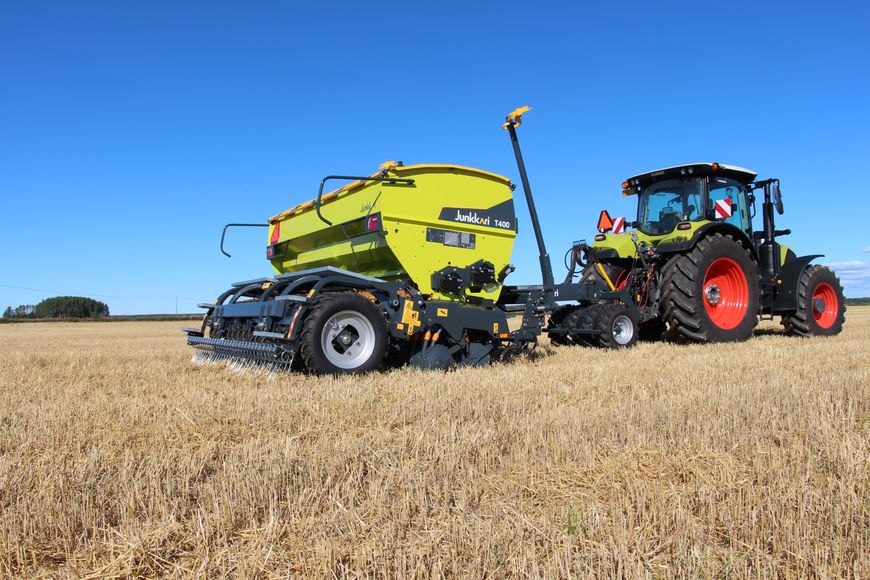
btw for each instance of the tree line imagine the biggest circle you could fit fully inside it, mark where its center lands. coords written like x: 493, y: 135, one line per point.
x: 60, y: 307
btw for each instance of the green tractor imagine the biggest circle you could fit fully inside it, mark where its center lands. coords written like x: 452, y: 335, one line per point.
x: 695, y: 266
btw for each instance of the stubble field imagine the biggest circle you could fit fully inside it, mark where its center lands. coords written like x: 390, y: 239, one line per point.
x: 118, y: 457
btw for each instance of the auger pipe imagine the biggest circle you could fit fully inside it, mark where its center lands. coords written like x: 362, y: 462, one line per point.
x: 543, y: 256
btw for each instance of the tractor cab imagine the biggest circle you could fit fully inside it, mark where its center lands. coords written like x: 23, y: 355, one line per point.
x: 690, y: 193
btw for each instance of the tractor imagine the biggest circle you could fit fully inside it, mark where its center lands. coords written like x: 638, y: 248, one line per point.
x: 695, y: 266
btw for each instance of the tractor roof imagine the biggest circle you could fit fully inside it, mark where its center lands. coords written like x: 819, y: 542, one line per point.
x: 694, y: 169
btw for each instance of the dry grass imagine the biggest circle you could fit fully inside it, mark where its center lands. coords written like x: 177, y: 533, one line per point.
x: 118, y: 457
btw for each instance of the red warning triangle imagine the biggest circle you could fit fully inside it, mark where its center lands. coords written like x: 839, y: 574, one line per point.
x: 605, y: 222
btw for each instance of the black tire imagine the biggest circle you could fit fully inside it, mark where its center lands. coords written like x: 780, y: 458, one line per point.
x: 581, y: 317
x: 711, y: 314
x: 652, y: 330
x: 821, y: 305
x: 372, y: 338
x: 618, y: 328
x: 557, y: 319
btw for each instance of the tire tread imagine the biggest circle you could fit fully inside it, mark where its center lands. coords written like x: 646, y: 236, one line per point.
x: 309, y: 337
x: 683, y: 307
x: 801, y: 322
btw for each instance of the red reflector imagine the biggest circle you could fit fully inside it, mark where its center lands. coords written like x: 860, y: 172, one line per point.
x: 373, y: 222
x: 600, y: 238
x: 276, y: 234
x: 684, y: 226
x: 270, y: 252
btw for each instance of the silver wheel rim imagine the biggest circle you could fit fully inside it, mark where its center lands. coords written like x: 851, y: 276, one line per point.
x: 348, y: 339
x: 622, y: 329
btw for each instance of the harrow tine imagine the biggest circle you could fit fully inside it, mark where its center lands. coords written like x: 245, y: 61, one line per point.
x: 241, y: 356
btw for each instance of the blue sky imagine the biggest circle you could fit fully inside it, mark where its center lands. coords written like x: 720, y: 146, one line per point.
x: 130, y: 132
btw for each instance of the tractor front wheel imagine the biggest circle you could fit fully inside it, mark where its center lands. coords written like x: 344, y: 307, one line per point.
x: 710, y: 294
x: 556, y: 320
x: 821, y: 305
x: 343, y: 334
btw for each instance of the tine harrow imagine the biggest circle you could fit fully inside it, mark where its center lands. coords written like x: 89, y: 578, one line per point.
x: 242, y: 355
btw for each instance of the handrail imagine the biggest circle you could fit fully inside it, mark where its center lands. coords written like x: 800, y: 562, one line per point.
x: 389, y: 180
x: 228, y: 226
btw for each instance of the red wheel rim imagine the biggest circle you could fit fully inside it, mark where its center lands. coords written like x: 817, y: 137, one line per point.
x: 725, y: 293
x: 825, y: 305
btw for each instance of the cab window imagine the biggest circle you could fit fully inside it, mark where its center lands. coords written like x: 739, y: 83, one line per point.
x: 665, y: 203
x: 729, y: 191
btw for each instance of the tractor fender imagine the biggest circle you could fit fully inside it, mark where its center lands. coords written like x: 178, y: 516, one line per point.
x: 606, y: 253
x: 708, y: 230
x: 789, y: 281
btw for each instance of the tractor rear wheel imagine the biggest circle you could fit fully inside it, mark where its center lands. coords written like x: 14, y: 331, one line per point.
x: 710, y: 294
x: 344, y: 333
x: 821, y: 305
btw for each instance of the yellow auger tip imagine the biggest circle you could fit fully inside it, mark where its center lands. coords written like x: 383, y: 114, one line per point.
x: 515, y: 117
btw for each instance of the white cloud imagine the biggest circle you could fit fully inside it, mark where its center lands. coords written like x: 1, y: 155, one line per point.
x: 866, y: 249
x: 855, y: 277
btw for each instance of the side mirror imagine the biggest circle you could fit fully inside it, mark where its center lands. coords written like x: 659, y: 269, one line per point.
x: 777, y: 199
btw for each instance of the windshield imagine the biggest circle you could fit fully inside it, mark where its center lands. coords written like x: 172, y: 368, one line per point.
x: 663, y: 204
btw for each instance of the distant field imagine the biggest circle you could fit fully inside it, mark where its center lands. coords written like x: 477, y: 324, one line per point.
x: 119, y: 457
x: 112, y: 318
